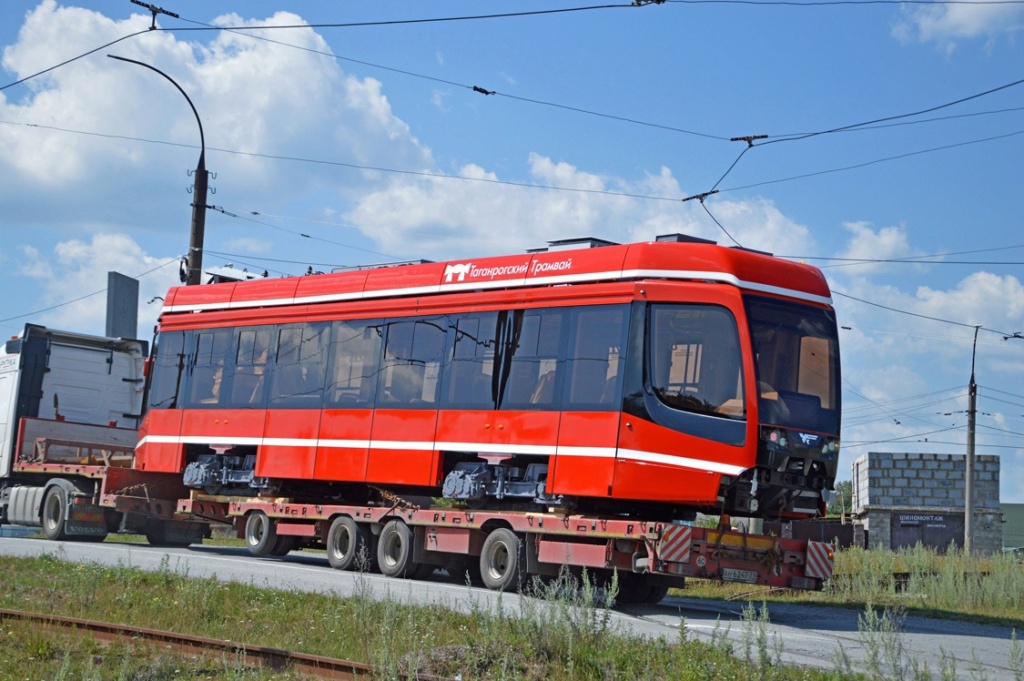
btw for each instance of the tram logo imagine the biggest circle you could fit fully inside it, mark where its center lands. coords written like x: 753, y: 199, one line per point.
x: 461, y: 270
x: 809, y: 440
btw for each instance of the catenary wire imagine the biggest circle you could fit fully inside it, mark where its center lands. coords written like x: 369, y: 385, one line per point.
x: 901, y: 399
x: 353, y: 166
x: 920, y: 316
x: 73, y: 59
x: 842, y: 3
x: 299, y: 234
x: 886, y: 119
x: 750, y: 143
x: 1001, y: 392
x: 866, y: 164
x: 430, y: 20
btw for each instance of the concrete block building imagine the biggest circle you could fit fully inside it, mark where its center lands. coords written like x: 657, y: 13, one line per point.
x: 904, y: 498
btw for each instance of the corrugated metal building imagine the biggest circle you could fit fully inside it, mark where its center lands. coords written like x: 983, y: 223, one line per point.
x: 1013, y: 526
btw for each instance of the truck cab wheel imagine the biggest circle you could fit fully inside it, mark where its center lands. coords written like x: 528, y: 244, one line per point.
x: 55, y: 514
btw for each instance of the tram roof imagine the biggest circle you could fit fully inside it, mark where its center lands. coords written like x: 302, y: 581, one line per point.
x: 652, y: 260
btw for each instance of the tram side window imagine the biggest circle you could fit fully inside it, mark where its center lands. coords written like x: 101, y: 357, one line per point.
x: 412, y: 363
x: 695, y: 360
x: 355, y: 357
x: 213, y: 351
x: 168, y: 371
x: 533, y: 368
x: 469, y: 379
x: 594, y: 360
x: 252, y: 354
x: 301, y: 366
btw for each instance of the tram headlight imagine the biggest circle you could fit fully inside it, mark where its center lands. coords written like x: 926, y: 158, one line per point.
x: 776, y: 438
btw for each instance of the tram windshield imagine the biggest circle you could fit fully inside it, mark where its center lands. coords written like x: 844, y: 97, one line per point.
x: 796, y: 352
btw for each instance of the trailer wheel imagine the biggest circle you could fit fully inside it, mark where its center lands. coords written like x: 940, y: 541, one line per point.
x: 502, y: 560
x: 346, y: 540
x: 55, y: 513
x: 656, y: 594
x: 260, y: 536
x: 156, y: 535
x: 394, y: 551
x: 633, y: 588
x: 283, y: 546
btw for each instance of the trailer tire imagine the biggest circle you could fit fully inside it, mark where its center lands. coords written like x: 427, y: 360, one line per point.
x: 156, y: 535
x: 157, y: 538
x: 346, y: 541
x: 55, y: 514
x: 656, y: 593
x: 394, y: 551
x: 633, y: 588
x: 283, y: 546
x: 502, y: 560
x: 260, y: 535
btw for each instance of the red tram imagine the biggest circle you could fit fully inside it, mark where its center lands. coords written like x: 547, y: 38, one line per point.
x: 658, y: 378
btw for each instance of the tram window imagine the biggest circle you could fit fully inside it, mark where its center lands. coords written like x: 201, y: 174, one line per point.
x: 168, y: 370
x: 469, y: 378
x: 355, y: 356
x: 249, y: 383
x: 300, y: 366
x: 594, y: 359
x: 815, y: 365
x: 695, y: 361
x: 533, y: 367
x: 213, y: 350
x: 412, y: 363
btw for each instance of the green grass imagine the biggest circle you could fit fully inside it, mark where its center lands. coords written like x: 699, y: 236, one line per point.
x: 568, y: 633
x: 573, y: 637
x: 979, y: 588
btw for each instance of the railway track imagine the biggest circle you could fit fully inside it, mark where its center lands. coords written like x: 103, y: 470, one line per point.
x: 274, y: 658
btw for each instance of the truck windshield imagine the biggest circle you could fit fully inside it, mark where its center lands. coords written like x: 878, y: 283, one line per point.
x: 796, y: 352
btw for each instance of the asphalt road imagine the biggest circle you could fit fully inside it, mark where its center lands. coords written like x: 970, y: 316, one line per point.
x: 806, y: 635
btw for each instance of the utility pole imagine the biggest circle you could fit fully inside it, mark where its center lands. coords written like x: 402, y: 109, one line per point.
x: 200, y: 189
x: 972, y: 413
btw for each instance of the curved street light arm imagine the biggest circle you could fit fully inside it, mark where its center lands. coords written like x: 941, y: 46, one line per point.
x: 202, y: 137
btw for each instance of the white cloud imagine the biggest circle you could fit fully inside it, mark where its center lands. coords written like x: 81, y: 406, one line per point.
x: 245, y: 90
x: 437, y: 98
x: 250, y: 245
x: 77, y: 270
x: 888, y: 357
x: 945, y: 25
x: 506, y: 217
x: 981, y: 298
x: 887, y: 243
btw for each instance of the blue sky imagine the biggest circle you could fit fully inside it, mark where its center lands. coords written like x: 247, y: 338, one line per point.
x: 352, y: 145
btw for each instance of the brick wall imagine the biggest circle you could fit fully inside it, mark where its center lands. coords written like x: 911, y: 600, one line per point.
x: 887, y: 483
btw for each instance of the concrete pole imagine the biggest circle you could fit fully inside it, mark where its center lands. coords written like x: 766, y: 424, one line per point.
x: 972, y: 412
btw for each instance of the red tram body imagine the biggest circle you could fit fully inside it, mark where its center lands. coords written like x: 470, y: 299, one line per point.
x: 656, y: 378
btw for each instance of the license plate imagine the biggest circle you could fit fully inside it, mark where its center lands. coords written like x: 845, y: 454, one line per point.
x: 733, y: 575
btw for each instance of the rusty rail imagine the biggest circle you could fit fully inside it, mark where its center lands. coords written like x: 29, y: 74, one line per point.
x: 312, y: 665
